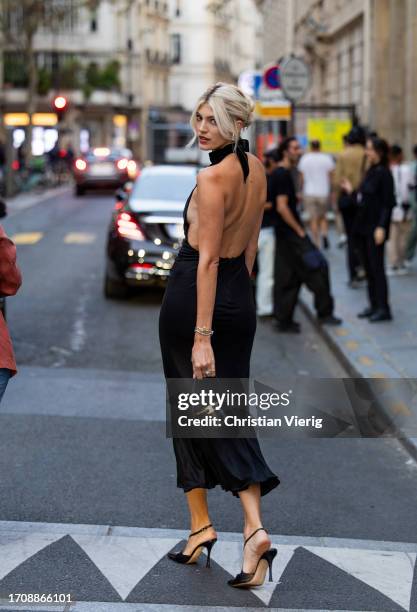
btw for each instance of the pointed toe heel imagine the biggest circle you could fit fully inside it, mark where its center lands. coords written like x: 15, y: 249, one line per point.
x: 179, y: 557
x: 256, y: 578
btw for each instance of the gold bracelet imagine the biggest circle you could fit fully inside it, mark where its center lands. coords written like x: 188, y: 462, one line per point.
x: 203, y: 331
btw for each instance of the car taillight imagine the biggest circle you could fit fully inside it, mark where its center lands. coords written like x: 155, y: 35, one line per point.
x: 80, y: 164
x: 128, y: 227
x: 131, y: 168
x: 122, y: 164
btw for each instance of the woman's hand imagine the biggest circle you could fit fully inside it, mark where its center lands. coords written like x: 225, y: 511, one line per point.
x: 346, y: 185
x: 379, y: 235
x: 203, y: 358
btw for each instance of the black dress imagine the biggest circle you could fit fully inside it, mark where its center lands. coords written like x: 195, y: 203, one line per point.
x: 206, y: 462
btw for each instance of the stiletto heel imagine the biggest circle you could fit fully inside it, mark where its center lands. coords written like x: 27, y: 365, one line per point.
x: 270, y: 556
x: 179, y: 557
x: 209, y: 545
x: 256, y: 578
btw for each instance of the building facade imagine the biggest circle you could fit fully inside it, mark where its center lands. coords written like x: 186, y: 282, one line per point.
x: 360, y: 52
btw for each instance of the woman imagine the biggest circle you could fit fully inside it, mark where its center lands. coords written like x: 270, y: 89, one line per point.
x: 10, y: 281
x: 208, y: 320
x: 375, y: 200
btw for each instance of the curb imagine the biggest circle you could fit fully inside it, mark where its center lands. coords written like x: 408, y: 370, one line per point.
x: 24, y: 201
x: 409, y: 444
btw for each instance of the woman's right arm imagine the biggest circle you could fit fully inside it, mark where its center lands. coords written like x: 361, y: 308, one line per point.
x: 10, y: 276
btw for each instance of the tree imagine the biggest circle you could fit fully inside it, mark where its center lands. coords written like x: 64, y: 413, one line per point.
x: 19, y: 24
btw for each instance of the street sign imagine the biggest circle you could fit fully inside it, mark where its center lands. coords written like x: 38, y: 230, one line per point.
x: 271, y: 77
x: 272, y: 105
x: 329, y: 132
x: 249, y: 82
x: 295, y: 77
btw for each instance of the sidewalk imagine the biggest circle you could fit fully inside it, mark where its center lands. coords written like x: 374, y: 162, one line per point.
x: 22, y: 201
x: 384, y: 350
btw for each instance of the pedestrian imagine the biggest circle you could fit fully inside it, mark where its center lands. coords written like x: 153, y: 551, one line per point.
x: 208, y: 319
x: 316, y: 169
x: 351, y: 165
x: 401, y: 213
x: 375, y: 201
x: 412, y: 238
x: 10, y: 281
x: 297, y: 259
x: 266, y: 247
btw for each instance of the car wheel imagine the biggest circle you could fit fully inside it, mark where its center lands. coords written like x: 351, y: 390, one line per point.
x: 115, y: 290
x: 79, y: 190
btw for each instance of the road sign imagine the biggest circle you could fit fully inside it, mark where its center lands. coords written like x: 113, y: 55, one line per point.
x: 271, y: 77
x: 272, y: 105
x: 249, y: 82
x: 295, y: 77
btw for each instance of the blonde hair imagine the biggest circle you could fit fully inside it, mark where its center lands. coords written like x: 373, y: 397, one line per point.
x: 229, y: 104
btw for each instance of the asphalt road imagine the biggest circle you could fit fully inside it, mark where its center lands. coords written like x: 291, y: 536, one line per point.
x: 82, y: 445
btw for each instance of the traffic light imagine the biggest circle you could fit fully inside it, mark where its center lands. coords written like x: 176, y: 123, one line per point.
x: 60, y: 106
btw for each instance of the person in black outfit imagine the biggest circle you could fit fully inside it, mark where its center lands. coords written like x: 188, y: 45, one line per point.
x: 297, y: 259
x: 207, y: 322
x: 375, y: 201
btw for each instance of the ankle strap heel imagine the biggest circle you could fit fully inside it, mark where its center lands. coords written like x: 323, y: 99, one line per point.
x: 269, y: 556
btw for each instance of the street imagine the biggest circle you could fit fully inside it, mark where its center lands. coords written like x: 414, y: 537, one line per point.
x: 88, y: 496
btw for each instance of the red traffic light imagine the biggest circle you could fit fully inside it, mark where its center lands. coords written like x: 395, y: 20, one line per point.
x: 60, y: 103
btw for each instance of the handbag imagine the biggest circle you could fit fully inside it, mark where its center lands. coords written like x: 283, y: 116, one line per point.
x: 352, y: 200
x: 312, y: 257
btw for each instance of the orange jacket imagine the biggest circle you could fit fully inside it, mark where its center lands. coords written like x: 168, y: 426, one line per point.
x: 10, y: 281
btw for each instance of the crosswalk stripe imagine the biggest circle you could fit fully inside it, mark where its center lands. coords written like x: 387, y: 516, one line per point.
x: 125, y: 556
x: 124, y: 561
x: 79, y: 238
x: 27, y: 237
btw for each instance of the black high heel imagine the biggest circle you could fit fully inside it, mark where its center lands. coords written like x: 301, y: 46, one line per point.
x: 256, y: 578
x: 187, y: 559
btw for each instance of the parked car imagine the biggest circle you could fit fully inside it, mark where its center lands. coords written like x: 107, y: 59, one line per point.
x: 103, y: 167
x: 146, y: 229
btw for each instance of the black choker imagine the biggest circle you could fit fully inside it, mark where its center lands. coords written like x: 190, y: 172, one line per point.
x: 217, y: 155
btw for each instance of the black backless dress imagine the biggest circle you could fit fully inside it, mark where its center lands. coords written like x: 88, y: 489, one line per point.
x: 234, y: 463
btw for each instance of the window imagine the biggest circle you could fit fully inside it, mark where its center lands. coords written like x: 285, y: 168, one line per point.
x: 93, y: 22
x: 176, y: 48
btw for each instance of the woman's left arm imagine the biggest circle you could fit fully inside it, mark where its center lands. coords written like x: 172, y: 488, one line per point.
x: 210, y: 200
x: 387, y: 202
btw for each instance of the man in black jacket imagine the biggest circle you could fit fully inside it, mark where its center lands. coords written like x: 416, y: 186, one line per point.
x: 297, y: 260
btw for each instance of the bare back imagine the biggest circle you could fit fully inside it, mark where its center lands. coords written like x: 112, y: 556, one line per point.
x: 243, y: 205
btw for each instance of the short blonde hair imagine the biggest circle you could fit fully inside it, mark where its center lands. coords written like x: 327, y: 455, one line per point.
x: 229, y: 104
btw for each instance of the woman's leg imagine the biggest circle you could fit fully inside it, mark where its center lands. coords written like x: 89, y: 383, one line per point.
x: 199, y: 515
x: 260, y: 542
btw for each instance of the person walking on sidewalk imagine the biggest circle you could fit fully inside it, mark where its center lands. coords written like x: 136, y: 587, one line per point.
x: 316, y: 169
x: 297, y: 259
x: 266, y: 247
x: 350, y: 165
x: 401, y: 214
x: 412, y: 238
x: 375, y: 201
x: 10, y: 281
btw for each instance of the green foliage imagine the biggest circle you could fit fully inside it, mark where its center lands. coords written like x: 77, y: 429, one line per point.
x: 15, y: 70
x: 44, y: 81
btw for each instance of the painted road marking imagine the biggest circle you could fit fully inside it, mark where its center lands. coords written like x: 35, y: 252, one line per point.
x: 79, y: 238
x: 27, y: 237
x: 127, y: 555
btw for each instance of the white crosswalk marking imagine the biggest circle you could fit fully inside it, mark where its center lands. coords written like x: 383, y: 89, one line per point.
x: 125, y: 555
x: 124, y: 561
